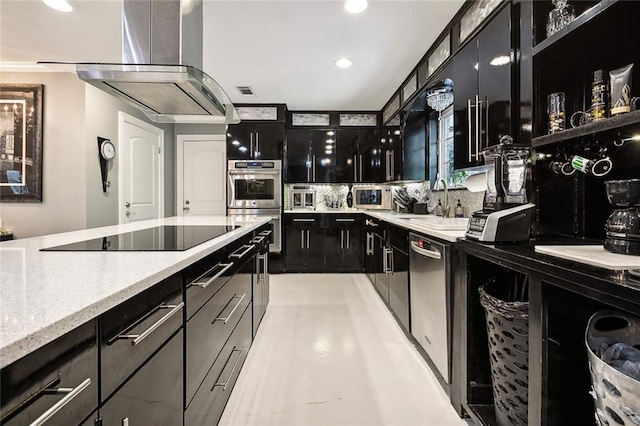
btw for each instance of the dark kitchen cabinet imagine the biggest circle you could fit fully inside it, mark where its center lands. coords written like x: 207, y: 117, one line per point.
x: 348, y: 161
x: 259, y: 141
x: 307, y: 158
x: 391, y: 154
x: 360, y: 151
x: 305, y: 240
x: 28, y: 386
x: 154, y: 394
x: 344, y: 243
x: 399, y: 278
x: 482, y: 90
x: 414, y: 139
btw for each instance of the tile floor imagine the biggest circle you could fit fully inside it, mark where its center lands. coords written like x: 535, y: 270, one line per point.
x: 328, y: 352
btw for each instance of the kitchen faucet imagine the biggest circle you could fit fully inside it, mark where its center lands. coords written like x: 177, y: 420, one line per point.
x: 446, y: 208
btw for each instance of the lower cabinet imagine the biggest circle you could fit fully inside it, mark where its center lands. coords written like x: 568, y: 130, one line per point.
x: 211, y: 397
x: 63, y: 370
x: 317, y: 242
x: 153, y: 395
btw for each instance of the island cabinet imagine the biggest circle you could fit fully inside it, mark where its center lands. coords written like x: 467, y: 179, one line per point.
x: 141, y: 357
x: 58, y: 382
x: 218, y: 328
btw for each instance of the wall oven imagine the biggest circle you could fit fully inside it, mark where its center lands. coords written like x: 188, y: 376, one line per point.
x: 254, y: 184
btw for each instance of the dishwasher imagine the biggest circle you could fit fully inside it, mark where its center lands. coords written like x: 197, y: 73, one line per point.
x: 429, y: 312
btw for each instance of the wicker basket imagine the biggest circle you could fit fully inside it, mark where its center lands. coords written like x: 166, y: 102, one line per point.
x: 616, y: 395
x: 508, y: 334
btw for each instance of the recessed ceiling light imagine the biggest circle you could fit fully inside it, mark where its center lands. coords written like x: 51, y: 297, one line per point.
x: 61, y: 5
x: 355, y: 6
x: 343, y: 62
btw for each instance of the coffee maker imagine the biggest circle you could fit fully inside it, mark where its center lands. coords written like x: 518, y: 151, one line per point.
x: 623, y: 226
x: 506, y: 214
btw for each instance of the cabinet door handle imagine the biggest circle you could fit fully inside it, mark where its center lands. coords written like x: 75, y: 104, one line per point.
x: 486, y: 121
x: 225, y: 320
x: 251, y: 144
x: 345, y: 220
x: 257, y: 151
x: 360, y: 165
x: 388, y: 168
x: 206, y: 284
x: 341, y: 239
x: 392, y: 176
x: 302, y: 239
x: 347, y: 239
x: 314, y: 168
x: 138, y: 338
x: 226, y: 382
x: 307, y: 238
x: 477, y: 127
x: 369, y: 243
x: 309, y: 168
x: 247, y: 248
x: 469, y: 126
x: 258, y: 240
x: 47, y: 389
x: 355, y: 168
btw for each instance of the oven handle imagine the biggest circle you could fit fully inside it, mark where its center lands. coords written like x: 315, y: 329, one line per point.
x: 253, y: 172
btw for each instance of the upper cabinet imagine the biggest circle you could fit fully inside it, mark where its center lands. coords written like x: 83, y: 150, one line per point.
x: 482, y: 77
x: 259, y: 136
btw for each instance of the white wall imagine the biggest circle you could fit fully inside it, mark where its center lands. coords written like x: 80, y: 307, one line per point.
x: 75, y: 114
x: 102, y: 120
x: 63, y: 179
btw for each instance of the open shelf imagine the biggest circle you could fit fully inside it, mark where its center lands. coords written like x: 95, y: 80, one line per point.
x: 577, y: 23
x: 620, y: 122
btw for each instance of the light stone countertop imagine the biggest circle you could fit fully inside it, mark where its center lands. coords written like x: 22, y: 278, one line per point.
x: 44, y: 295
x: 396, y: 219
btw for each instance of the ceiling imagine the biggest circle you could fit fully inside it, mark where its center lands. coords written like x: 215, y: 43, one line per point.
x: 284, y: 50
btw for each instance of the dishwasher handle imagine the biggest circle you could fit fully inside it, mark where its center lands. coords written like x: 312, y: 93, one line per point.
x: 434, y: 254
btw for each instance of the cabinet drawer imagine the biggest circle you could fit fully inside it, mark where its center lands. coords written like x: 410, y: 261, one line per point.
x: 208, y: 330
x: 28, y: 385
x: 153, y: 395
x: 339, y: 220
x: 135, y: 329
x: 205, y: 278
x: 211, y: 398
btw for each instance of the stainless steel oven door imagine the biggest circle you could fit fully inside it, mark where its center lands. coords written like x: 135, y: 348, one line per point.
x: 254, y: 189
x: 275, y: 246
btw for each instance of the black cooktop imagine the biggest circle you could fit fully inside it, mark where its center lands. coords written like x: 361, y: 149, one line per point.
x: 160, y: 238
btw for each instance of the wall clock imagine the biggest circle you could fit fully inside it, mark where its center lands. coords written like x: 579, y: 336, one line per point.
x: 107, y: 152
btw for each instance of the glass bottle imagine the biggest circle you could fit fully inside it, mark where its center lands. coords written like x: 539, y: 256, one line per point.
x: 459, y: 212
x: 562, y: 15
x: 438, y: 211
x: 598, y: 96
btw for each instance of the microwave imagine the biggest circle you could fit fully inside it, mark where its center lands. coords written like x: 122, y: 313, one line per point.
x: 372, y: 197
x: 302, y: 197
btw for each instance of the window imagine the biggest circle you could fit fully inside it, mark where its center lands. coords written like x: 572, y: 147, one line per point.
x: 445, y: 147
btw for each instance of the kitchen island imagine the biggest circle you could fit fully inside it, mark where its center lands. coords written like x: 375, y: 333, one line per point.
x: 61, y: 308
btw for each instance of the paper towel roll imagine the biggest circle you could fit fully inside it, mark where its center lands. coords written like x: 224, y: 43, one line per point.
x: 477, y: 183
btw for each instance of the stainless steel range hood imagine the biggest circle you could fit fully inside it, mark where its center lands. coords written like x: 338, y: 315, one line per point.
x: 162, y: 55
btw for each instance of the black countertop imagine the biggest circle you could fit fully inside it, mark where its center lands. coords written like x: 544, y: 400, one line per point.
x: 617, y: 288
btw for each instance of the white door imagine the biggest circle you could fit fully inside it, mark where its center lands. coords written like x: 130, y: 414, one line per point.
x: 202, y: 171
x: 141, y: 169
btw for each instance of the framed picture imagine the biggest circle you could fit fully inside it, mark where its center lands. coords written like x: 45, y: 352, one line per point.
x: 21, y: 143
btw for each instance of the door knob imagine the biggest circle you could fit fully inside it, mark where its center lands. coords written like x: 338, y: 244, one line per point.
x: 127, y: 204
x: 185, y: 208
x: 128, y: 213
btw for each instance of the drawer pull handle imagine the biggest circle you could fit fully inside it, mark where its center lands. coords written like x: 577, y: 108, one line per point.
x: 226, y: 382
x: 215, y: 277
x: 345, y: 220
x: 138, y: 338
x: 247, y: 248
x: 266, y: 233
x: 304, y: 220
x: 258, y: 240
x: 225, y: 320
x: 47, y: 389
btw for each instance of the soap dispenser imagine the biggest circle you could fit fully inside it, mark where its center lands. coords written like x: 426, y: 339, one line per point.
x: 459, y: 212
x: 438, y: 210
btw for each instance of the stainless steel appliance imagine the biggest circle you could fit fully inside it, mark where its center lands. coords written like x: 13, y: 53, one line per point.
x: 372, y: 197
x: 302, y: 197
x: 254, y: 184
x: 275, y: 244
x: 430, y: 300
x: 505, y: 214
